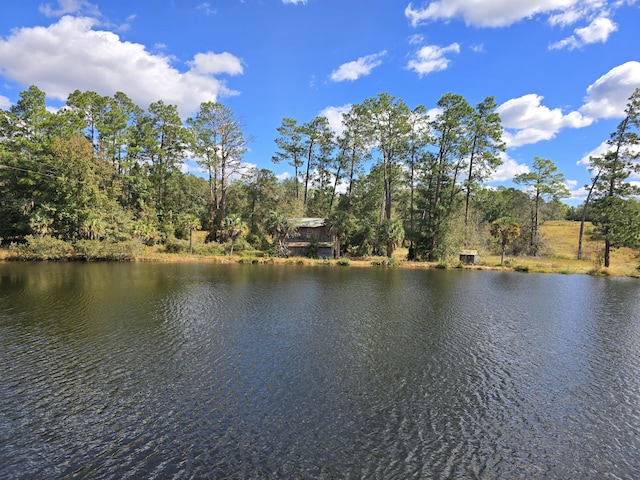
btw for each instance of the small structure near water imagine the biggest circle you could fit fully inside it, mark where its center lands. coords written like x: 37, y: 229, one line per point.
x: 469, y: 257
x: 312, y: 238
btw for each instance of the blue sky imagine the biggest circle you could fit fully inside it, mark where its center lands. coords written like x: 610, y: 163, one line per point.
x: 561, y: 71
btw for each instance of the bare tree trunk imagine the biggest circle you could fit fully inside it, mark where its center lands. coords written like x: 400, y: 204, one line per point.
x: 584, y: 215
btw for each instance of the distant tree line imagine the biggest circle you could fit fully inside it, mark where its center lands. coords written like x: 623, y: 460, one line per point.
x: 104, y: 169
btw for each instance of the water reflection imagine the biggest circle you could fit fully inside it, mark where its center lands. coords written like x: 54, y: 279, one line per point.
x: 286, y: 372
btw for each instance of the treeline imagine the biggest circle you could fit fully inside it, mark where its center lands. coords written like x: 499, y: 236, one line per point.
x: 104, y: 169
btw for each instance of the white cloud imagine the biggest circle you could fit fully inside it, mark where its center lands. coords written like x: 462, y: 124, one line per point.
x: 595, y: 14
x: 577, y: 193
x: 600, y: 150
x: 607, y: 97
x: 5, y: 103
x: 283, y: 176
x: 598, y: 31
x: 358, y: 68
x: 486, y: 13
x: 526, y: 121
x: 431, y: 58
x: 66, y: 7
x: 295, y: 2
x: 334, y: 115
x: 596, y: 152
x: 216, y: 63
x: 71, y: 54
x: 509, y: 169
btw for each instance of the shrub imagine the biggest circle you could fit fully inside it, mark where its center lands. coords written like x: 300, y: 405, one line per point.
x: 91, y: 250
x: 239, y: 246
x: 343, y: 262
x: 312, y: 249
x: 41, y: 248
x: 123, y: 251
x: 173, y: 245
x: 208, y: 249
x: 521, y: 268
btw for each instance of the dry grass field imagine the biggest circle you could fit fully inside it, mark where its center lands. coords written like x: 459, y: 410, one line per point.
x: 559, y: 254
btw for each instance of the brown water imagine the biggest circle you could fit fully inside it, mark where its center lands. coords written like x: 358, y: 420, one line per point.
x: 213, y: 371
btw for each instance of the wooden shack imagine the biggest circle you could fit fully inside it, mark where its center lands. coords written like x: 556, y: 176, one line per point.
x: 469, y: 257
x: 311, y: 232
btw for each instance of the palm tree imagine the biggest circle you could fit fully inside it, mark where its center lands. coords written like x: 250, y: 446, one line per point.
x: 505, y: 230
x: 391, y: 234
x: 280, y: 229
x: 340, y: 223
x: 232, y: 227
x: 190, y: 222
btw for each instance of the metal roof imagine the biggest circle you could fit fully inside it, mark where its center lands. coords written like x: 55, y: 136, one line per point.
x: 306, y: 222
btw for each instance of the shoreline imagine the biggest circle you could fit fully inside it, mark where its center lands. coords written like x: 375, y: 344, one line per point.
x: 490, y: 263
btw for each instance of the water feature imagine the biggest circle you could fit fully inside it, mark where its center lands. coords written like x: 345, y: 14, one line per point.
x: 229, y: 371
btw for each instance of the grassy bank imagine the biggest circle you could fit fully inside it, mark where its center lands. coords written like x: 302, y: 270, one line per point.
x: 558, y: 256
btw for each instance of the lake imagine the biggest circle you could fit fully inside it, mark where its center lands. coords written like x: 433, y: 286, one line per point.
x: 113, y: 371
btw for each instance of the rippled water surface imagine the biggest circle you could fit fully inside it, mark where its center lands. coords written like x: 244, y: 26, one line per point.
x: 214, y: 371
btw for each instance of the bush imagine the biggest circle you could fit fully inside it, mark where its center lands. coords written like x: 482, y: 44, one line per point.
x: 240, y: 246
x: 208, y: 249
x: 173, y: 245
x: 343, y: 262
x: 91, y: 250
x: 123, y: 251
x: 41, y: 248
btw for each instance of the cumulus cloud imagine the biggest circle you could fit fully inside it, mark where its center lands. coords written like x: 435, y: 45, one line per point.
x: 527, y: 121
x: 66, y: 7
x: 595, y: 16
x: 607, y: 97
x: 596, y: 152
x: 295, y: 2
x: 216, y: 63
x: 576, y: 192
x: 509, y: 169
x: 334, y: 115
x: 73, y: 54
x: 598, y: 31
x: 603, y: 148
x: 5, y: 103
x: 358, y: 68
x: 487, y: 13
x: 432, y: 58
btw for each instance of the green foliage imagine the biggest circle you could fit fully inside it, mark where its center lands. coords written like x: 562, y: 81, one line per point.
x: 103, y: 172
x: 390, y: 235
x: 544, y: 182
x: 41, y: 248
x: 505, y: 230
x: 92, y: 250
x: 312, y: 249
